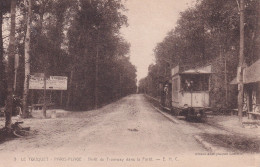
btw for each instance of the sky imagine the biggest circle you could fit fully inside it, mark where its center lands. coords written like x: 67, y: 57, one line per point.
x: 149, y: 22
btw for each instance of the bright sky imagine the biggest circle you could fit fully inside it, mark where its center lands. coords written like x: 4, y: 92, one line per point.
x: 149, y: 22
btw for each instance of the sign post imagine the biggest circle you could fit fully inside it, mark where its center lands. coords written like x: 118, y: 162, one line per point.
x: 16, y: 65
x: 40, y: 81
x: 61, y: 97
x: 44, y: 96
x: 52, y: 83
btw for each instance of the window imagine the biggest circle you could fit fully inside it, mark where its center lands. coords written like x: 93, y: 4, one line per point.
x: 195, y: 82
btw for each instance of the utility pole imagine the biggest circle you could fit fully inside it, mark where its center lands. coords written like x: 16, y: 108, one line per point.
x: 27, y: 58
x: 241, y: 63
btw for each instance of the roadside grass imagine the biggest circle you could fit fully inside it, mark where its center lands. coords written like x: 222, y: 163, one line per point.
x: 233, y: 142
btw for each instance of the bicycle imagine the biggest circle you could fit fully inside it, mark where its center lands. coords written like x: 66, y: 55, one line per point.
x: 18, y: 130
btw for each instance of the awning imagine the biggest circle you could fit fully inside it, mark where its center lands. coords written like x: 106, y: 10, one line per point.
x: 251, y: 74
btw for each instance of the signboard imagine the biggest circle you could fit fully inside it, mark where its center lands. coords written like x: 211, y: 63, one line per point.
x: 38, y: 75
x: 36, y: 82
x: 52, y: 83
x: 57, y: 83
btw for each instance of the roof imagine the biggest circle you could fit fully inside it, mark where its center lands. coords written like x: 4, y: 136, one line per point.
x: 202, y: 70
x: 196, y: 72
x: 251, y: 74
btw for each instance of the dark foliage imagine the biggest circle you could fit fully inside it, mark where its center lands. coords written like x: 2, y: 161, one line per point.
x: 205, y: 33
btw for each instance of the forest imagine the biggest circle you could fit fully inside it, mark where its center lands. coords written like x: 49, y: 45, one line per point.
x: 203, y: 33
x: 79, y: 39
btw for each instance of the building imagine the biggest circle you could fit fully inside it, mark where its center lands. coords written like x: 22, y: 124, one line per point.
x: 251, y: 80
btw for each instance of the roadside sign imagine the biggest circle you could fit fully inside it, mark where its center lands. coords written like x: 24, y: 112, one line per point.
x: 36, y: 82
x: 52, y: 83
x: 57, y: 83
x: 41, y: 75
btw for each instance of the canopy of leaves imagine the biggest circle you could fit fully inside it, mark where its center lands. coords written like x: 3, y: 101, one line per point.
x: 206, y: 31
x: 95, y: 32
x: 71, y: 37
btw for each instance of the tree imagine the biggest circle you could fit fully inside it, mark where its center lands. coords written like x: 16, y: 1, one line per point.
x: 207, y: 31
x: 4, y: 7
x: 62, y: 36
x: 241, y: 62
x: 27, y: 58
x: 2, y: 68
x: 95, y: 31
x: 10, y: 69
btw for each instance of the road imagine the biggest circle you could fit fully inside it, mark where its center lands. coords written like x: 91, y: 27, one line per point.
x: 129, y: 128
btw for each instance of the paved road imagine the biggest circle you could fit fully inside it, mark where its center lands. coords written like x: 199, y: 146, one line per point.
x: 130, y: 127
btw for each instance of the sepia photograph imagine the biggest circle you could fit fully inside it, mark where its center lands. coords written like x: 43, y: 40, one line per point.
x: 129, y: 83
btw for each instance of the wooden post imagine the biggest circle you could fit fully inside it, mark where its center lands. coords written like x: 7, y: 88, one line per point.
x: 70, y: 88
x: 61, y: 96
x: 16, y: 65
x: 120, y: 84
x: 44, y: 96
x: 96, y: 73
x: 191, y: 98
x: 241, y: 63
x: 226, y: 81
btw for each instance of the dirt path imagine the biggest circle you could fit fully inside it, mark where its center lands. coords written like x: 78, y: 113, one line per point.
x: 129, y: 128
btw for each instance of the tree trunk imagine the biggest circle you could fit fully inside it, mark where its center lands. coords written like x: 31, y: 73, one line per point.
x: 70, y: 89
x: 27, y: 60
x: 10, y: 69
x: 96, y: 78
x: 241, y: 63
x: 40, y: 23
x: 2, y: 67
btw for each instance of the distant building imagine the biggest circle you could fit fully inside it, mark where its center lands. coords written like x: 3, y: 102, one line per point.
x: 251, y: 80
